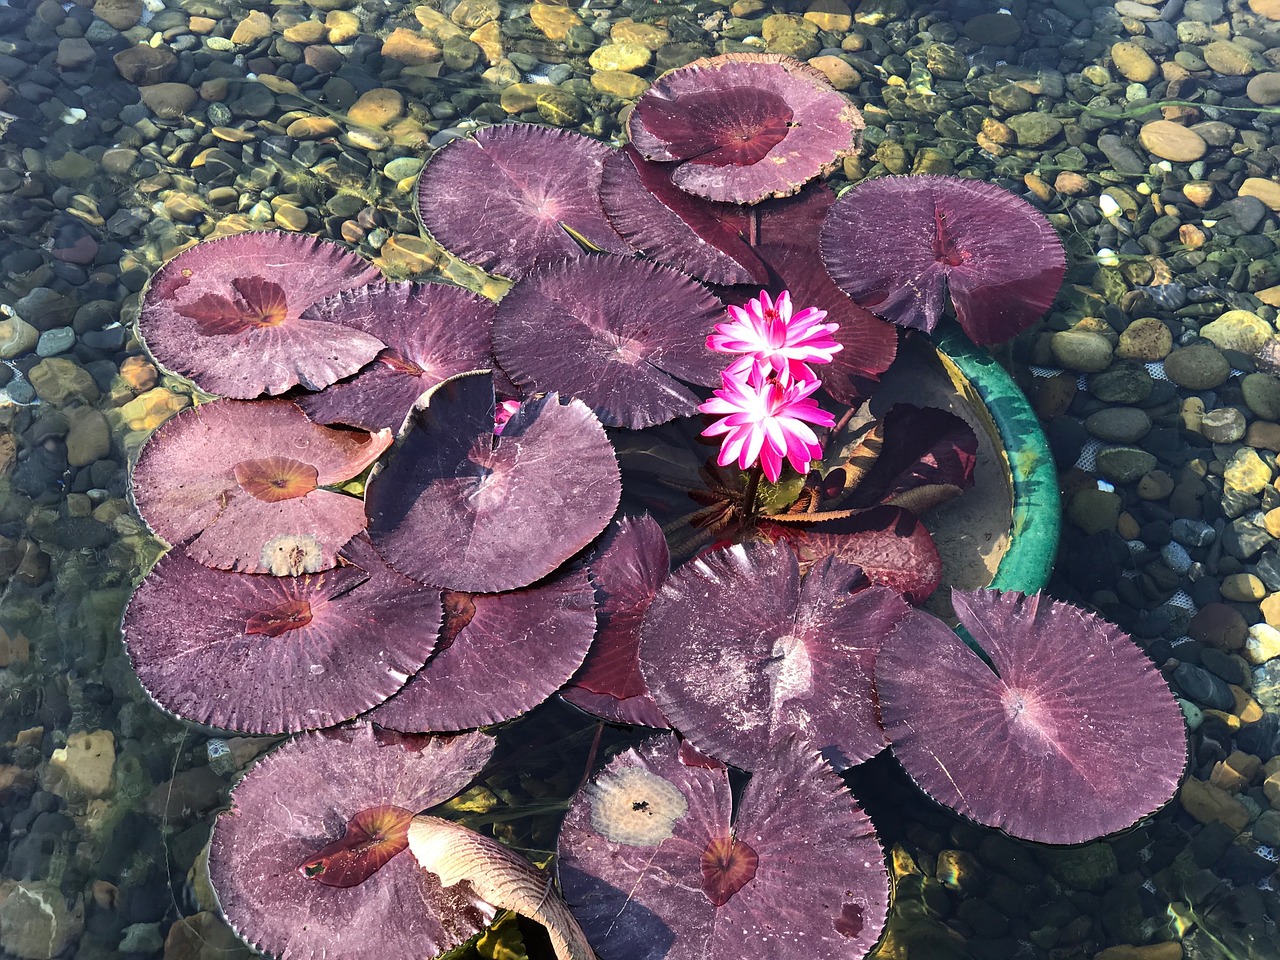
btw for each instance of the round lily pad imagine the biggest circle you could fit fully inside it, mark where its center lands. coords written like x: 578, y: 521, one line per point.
x: 656, y: 865
x: 996, y: 256
x: 240, y: 484
x: 432, y: 332
x: 620, y: 335
x: 504, y: 198
x: 228, y: 314
x: 1070, y: 734
x: 262, y: 654
x: 630, y: 564
x: 701, y: 238
x: 308, y: 863
x: 745, y: 126
x: 464, y: 509
x: 739, y: 649
x: 500, y: 655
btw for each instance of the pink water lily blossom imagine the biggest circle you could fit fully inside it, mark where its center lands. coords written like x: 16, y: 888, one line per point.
x: 782, y: 341
x: 767, y: 418
x: 504, y: 412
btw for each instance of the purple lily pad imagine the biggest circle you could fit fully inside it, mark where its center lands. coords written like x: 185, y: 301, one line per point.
x: 261, y: 654
x: 655, y: 866
x: 738, y: 650
x: 993, y: 253
x: 890, y: 544
x: 240, y: 484
x: 500, y: 655
x: 630, y: 564
x: 290, y: 886
x: 466, y: 510
x: 432, y: 332
x: 1074, y: 735
x: 503, y: 198
x: 617, y: 334
x: 704, y: 239
x: 745, y: 126
x: 228, y: 314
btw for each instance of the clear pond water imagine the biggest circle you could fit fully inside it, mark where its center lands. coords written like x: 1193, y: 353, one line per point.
x: 132, y: 128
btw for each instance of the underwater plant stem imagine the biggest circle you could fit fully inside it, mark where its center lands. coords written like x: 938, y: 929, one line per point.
x: 749, y: 497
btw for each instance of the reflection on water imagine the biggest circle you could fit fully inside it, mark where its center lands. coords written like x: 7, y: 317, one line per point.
x: 130, y: 129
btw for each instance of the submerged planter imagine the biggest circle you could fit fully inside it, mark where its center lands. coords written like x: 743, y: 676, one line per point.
x: 1003, y: 531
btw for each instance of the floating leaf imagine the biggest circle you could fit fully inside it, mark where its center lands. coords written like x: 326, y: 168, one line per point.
x: 656, y: 867
x: 504, y: 198
x: 432, y: 332
x: 1072, y: 736
x: 993, y: 253
x: 704, y: 239
x: 620, y: 335
x: 738, y: 650
x: 466, y: 510
x: 501, y: 655
x: 890, y: 544
x: 262, y: 654
x: 745, y: 126
x: 629, y: 566
x: 240, y: 484
x: 229, y: 314
x: 298, y: 801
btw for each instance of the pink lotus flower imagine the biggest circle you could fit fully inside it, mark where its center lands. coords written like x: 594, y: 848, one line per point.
x: 504, y: 412
x: 782, y: 342
x: 766, y: 418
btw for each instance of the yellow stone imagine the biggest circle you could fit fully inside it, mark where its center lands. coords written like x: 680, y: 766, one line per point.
x: 1133, y: 62
x: 233, y: 135
x: 1072, y: 184
x: 308, y: 31
x: 555, y: 21
x: 343, y: 26
x: 405, y: 255
x: 833, y: 15
x: 1238, y: 330
x: 1172, y: 141
x: 309, y: 128
x: 1038, y: 187
x: 1191, y: 236
x: 489, y: 39
x: 997, y: 132
x: 150, y: 409
x: 83, y: 767
x: 1234, y: 773
x: 519, y: 97
x: 1169, y: 950
x: 201, y: 26
x: 1207, y: 804
x: 1266, y: 190
x: 1247, y: 472
x: 377, y: 107
x: 1270, y: 296
x: 838, y: 71
x: 468, y: 13
x: 646, y: 34
x: 1243, y: 587
x: 1198, y: 192
x: 1266, y: 8
x: 1146, y: 339
x: 626, y: 57
x: 252, y: 28
x: 625, y: 86
x: 412, y: 49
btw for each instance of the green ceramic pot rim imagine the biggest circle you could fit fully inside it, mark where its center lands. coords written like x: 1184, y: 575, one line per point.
x: 1016, y: 433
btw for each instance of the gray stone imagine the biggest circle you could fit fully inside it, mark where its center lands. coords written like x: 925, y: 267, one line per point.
x: 1266, y: 685
x: 1122, y: 157
x: 1192, y: 533
x: 1118, y: 424
x: 55, y: 341
x: 1203, y: 687
x: 1124, y: 464
x: 1245, y: 536
x: 1266, y: 829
